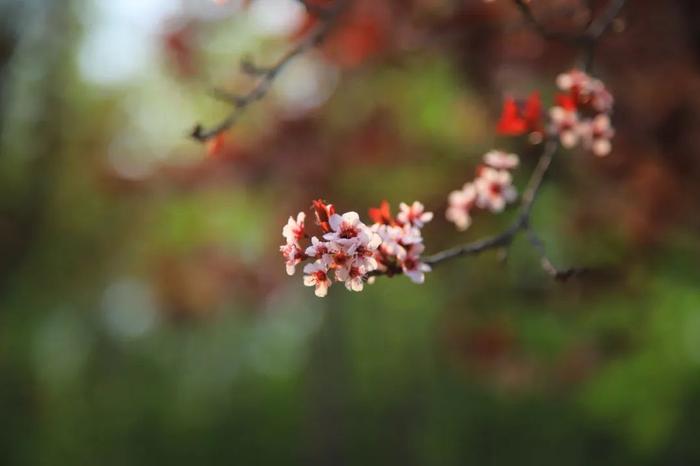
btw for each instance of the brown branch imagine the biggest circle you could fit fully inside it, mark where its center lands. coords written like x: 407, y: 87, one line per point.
x: 520, y: 224
x: 586, y: 39
x: 541, y: 29
x: 547, y: 264
x: 506, y: 237
x: 328, y: 18
x: 266, y: 75
x: 597, y: 28
x: 601, y: 24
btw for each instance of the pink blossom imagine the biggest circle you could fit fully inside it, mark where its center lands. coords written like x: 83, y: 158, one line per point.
x: 501, y: 160
x: 410, y: 235
x: 494, y: 189
x: 596, y: 135
x: 586, y: 90
x: 396, y: 238
x: 412, y: 266
x: 347, y: 229
x: 363, y: 255
x: 574, y: 80
x: 402, y: 244
x: 391, y: 238
x: 460, y: 203
x: 414, y: 214
x: 352, y: 276
x: 349, y: 250
x: 565, y: 124
x: 293, y: 231
x: 600, y: 98
x: 292, y: 256
x: 344, y: 226
x: 316, y: 274
x: 318, y: 249
x: 341, y: 255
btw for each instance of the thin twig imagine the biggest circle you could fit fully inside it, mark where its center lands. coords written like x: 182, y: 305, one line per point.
x: 601, y: 24
x: 547, y: 264
x: 586, y: 39
x: 521, y: 223
x: 267, y: 75
x: 596, y: 29
x: 541, y: 29
x: 506, y: 237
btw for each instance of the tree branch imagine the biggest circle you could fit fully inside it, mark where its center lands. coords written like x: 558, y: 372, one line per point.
x: 548, y: 266
x: 520, y: 224
x: 506, y: 237
x: 601, y: 24
x: 586, y: 39
x: 530, y: 18
x: 267, y: 75
x: 596, y: 29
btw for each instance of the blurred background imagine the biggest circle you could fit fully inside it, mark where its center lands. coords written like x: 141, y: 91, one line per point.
x: 145, y: 315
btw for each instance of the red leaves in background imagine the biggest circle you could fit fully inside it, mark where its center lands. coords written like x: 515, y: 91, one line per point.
x: 362, y: 33
x: 359, y: 38
x: 516, y: 120
x: 216, y: 145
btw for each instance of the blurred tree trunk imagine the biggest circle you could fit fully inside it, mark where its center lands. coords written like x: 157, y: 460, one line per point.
x: 36, y: 41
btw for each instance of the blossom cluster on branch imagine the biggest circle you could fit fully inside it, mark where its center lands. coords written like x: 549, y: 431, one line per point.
x: 492, y: 189
x: 350, y: 250
x: 581, y: 114
x: 347, y: 250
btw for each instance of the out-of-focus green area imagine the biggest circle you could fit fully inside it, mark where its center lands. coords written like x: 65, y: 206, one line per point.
x: 145, y: 316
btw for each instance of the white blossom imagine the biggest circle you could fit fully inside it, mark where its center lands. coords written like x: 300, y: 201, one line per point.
x: 414, y: 214
x: 293, y: 231
x: 460, y: 204
x: 316, y: 274
x: 494, y: 189
x: 501, y: 160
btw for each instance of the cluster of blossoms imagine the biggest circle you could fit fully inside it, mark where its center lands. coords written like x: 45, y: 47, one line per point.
x: 351, y: 251
x: 492, y: 189
x: 402, y: 241
x: 581, y: 114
